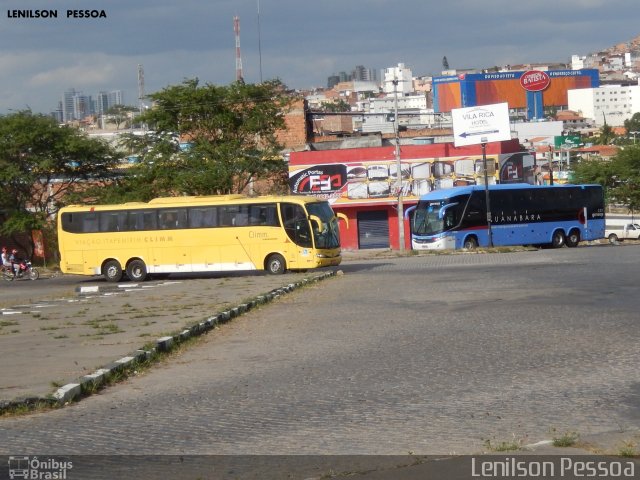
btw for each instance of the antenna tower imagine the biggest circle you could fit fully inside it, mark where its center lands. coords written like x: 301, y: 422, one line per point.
x: 140, y: 88
x: 236, y: 29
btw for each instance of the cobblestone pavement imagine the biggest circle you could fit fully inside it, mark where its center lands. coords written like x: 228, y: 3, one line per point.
x: 421, y: 354
x: 53, y: 338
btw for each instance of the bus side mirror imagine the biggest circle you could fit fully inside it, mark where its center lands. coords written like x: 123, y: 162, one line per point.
x: 317, y: 221
x: 444, y: 209
x: 342, y: 216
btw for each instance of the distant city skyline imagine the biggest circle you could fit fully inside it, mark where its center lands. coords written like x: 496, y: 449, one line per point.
x: 294, y: 41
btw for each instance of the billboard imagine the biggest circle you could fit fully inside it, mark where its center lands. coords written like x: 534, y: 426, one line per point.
x: 376, y: 181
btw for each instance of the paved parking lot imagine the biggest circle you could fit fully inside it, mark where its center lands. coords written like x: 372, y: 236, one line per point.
x: 433, y: 354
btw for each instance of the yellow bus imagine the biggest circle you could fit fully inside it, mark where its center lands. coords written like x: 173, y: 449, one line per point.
x: 198, y: 234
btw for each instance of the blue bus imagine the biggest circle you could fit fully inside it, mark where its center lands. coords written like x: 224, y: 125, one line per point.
x: 521, y: 214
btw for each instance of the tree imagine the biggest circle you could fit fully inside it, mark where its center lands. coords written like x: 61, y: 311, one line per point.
x: 445, y: 63
x: 119, y: 114
x: 607, y: 135
x: 336, y: 106
x: 626, y: 165
x: 619, y: 176
x: 633, y: 125
x: 205, y: 140
x: 41, y: 162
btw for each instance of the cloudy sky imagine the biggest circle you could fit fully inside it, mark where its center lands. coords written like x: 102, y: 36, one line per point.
x: 302, y: 42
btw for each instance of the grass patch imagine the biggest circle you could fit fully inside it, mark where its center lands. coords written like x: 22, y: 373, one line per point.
x: 628, y: 449
x: 26, y: 408
x: 108, y: 329
x: 566, y: 439
x: 512, y: 445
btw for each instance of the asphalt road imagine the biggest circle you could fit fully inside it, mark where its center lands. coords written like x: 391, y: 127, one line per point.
x: 421, y: 354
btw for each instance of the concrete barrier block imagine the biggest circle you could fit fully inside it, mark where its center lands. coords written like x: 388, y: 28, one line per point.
x: 164, y: 344
x: 67, y: 392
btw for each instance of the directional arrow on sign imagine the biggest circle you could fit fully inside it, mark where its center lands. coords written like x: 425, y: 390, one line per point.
x: 481, y: 124
x: 486, y: 132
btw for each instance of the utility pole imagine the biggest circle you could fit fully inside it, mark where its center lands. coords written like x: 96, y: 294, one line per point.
x: 550, y: 165
x: 486, y: 189
x: 141, y: 92
x: 259, y: 43
x: 398, y: 166
x: 236, y: 29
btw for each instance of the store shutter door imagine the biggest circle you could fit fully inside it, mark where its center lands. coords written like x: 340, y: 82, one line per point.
x: 373, y: 229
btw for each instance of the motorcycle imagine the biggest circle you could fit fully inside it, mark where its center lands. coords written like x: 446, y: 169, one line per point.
x: 26, y: 270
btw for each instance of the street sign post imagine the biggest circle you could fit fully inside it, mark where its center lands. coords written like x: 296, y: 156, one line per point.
x: 479, y: 125
x: 472, y: 125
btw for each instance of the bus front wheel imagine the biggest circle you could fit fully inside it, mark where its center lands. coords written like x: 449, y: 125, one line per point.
x: 470, y: 243
x: 276, y: 264
x: 112, y: 271
x: 573, y: 239
x: 558, y: 239
x: 136, y: 271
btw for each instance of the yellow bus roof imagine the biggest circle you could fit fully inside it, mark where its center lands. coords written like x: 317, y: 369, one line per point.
x: 197, y: 200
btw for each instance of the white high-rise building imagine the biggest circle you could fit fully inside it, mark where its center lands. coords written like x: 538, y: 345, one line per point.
x: 612, y: 104
x: 402, y: 75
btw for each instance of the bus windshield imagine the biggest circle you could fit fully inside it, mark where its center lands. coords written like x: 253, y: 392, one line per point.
x: 427, y: 219
x: 329, y: 235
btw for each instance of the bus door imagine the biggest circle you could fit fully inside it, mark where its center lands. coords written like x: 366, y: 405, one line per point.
x: 299, y: 251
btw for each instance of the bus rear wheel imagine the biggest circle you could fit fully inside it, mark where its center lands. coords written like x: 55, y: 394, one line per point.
x: 112, y: 271
x: 573, y: 239
x: 137, y: 271
x: 470, y: 243
x: 558, y: 240
x: 275, y: 264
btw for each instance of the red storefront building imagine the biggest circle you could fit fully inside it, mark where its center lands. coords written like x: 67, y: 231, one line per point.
x: 362, y: 183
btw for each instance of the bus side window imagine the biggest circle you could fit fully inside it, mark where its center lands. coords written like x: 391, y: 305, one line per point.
x: 172, y: 218
x: 113, y: 221
x: 90, y: 223
x: 228, y: 215
x: 241, y: 218
x: 72, y: 222
x: 263, y: 215
x: 203, y: 217
x: 142, y: 220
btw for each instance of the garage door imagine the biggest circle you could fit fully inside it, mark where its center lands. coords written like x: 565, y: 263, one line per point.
x: 373, y: 229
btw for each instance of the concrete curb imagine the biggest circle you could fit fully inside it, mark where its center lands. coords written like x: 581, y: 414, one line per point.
x: 89, y: 383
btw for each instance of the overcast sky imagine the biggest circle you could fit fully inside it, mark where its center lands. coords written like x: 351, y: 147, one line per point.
x: 302, y: 42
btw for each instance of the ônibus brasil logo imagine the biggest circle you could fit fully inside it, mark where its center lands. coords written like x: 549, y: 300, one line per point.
x: 38, y: 469
x: 534, y: 80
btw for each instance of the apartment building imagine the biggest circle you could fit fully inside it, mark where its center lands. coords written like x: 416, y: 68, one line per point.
x: 610, y: 104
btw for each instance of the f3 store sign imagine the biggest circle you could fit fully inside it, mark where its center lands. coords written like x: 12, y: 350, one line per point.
x: 319, y: 179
